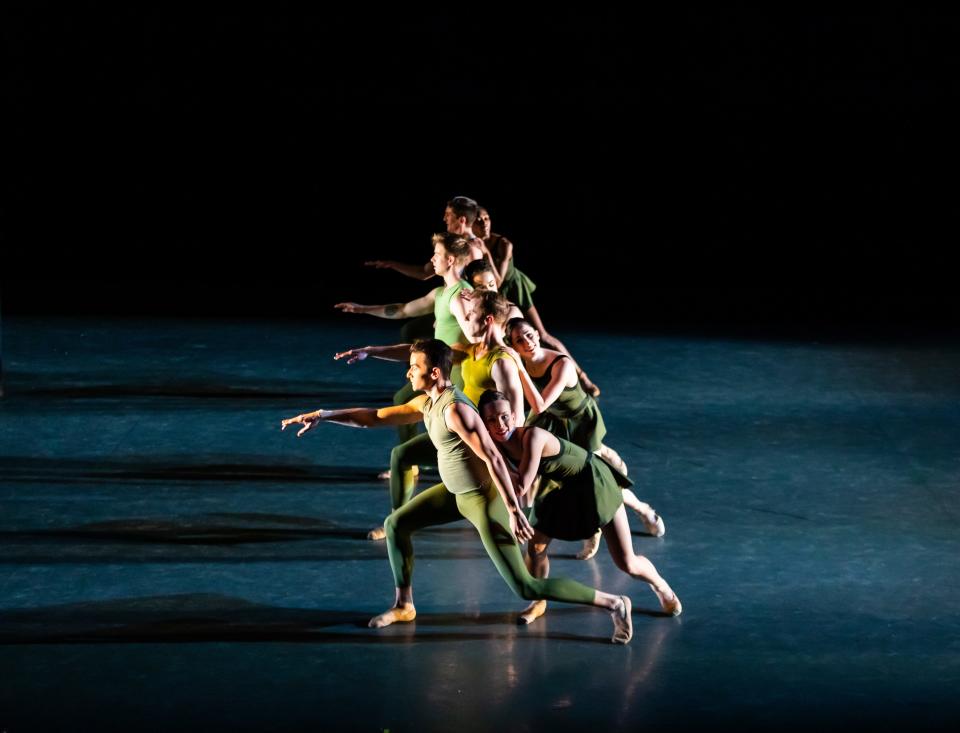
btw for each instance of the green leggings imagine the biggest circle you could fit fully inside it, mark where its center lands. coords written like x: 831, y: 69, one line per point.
x: 485, y: 510
x: 410, y: 450
x: 418, y: 451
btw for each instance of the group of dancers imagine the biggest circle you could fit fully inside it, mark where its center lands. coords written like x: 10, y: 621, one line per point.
x: 479, y: 359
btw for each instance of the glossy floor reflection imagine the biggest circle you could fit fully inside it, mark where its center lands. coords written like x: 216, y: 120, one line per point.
x: 169, y: 560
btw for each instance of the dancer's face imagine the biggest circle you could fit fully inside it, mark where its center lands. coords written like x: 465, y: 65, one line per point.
x: 481, y: 227
x: 479, y: 323
x: 524, y: 339
x: 440, y: 259
x: 420, y: 373
x: 499, y: 420
x: 451, y: 220
x: 485, y: 281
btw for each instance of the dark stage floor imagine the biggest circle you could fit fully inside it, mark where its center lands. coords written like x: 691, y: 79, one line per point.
x: 170, y: 559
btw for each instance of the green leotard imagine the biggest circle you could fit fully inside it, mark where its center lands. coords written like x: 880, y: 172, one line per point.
x: 447, y: 328
x: 583, y: 494
x: 476, y: 373
x: 461, y: 470
x: 573, y: 416
x: 474, y: 497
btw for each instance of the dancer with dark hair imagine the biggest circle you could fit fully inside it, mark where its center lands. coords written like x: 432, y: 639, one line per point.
x: 583, y: 495
x: 559, y: 405
x: 476, y: 486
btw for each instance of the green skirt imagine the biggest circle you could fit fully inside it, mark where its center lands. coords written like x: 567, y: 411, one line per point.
x: 586, y: 429
x: 577, y: 508
x: 518, y: 289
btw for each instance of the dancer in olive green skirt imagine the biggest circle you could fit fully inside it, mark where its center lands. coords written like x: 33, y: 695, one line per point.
x: 476, y: 486
x: 583, y: 495
x: 559, y: 405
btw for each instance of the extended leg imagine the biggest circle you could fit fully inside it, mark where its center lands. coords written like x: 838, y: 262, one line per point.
x: 434, y: 506
x: 487, y: 513
x: 652, y: 521
x: 619, y: 543
x: 404, y: 460
x: 539, y: 564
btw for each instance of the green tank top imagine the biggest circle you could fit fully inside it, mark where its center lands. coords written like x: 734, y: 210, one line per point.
x: 476, y: 373
x: 461, y: 470
x: 570, y: 400
x: 447, y: 328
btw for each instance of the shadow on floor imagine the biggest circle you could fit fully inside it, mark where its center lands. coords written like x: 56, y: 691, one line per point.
x: 194, y: 618
x: 81, y: 386
x: 25, y: 469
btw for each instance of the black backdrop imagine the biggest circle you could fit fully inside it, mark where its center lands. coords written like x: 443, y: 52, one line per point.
x: 703, y: 169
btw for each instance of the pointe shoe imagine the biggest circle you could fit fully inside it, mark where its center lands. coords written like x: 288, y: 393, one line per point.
x: 377, y: 533
x: 623, y: 622
x: 398, y: 615
x: 672, y: 607
x: 656, y: 528
x: 532, y: 612
x: 590, y: 547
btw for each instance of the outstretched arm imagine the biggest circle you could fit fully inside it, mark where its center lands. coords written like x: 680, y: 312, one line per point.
x: 419, y: 307
x: 417, y: 272
x: 466, y: 423
x: 397, y: 352
x: 361, y: 417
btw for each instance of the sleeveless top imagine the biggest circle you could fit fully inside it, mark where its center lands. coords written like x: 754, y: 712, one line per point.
x: 476, y: 373
x: 571, y: 401
x: 579, y: 494
x: 447, y: 328
x: 461, y: 470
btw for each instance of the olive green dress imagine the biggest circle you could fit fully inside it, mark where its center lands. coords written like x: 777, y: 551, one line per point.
x: 516, y: 286
x: 573, y: 416
x: 581, y: 493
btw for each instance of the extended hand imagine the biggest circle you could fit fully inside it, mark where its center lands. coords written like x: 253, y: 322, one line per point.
x: 350, y: 307
x: 353, y: 355
x: 380, y: 264
x: 307, y: 419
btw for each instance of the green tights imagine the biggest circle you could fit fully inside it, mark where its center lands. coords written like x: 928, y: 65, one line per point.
x: 485, y: 510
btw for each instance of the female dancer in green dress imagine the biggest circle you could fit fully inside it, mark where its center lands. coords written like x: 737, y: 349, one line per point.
x: 559, y: 405
x: 516, y: 287
x: 476, y: 486
x: 584, y: 494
